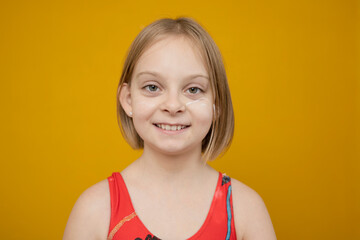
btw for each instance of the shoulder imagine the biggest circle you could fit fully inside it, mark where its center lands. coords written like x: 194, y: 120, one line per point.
x: 90, y: 216
x: 252, y: 220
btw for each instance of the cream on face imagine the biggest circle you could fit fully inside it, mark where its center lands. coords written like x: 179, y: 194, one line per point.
x: 201, y: 106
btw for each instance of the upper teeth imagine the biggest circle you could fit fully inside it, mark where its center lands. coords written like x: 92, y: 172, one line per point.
x: 170, y: 127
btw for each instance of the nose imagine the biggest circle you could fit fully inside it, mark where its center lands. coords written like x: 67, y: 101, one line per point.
x: 173, y: 104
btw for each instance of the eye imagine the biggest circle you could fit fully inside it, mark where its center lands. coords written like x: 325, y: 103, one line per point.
x: 151, y: 88
x: 194, y: 90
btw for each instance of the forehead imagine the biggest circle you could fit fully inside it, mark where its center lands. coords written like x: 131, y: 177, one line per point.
x: 172, y: 56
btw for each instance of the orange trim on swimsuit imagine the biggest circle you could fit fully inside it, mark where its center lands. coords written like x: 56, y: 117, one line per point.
x: 118, y: 226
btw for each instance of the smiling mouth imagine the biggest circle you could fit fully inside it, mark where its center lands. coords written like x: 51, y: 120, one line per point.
x: 171, y: 127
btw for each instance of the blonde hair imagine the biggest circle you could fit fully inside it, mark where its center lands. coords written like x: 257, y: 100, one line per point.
x: 221, y: 132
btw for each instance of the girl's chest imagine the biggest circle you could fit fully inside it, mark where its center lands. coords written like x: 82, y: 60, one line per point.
x: 146, y: 213
x: 172, y: 217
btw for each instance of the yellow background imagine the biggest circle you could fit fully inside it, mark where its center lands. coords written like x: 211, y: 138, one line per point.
x: 293, y: 69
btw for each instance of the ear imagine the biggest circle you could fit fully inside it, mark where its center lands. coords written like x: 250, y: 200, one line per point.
x: 125, y: 98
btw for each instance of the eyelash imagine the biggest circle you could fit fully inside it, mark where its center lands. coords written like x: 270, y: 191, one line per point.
x: 148, y: 88
x: 151, y: 85
x: 196, y: 88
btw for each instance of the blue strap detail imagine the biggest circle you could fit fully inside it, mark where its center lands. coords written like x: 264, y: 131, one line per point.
x: 228, y: 208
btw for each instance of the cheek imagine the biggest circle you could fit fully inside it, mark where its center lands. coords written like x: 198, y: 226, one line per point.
x: 202, y: 110
x: 142, y: 110
x: 142, y: 106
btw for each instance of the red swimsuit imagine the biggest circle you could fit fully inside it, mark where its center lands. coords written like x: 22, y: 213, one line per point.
x: 125, y: 224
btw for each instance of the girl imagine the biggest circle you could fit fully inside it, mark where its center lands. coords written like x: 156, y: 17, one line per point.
x: 174, y: 103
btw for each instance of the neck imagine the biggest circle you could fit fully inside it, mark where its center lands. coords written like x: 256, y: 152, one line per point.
x: 162, y: 167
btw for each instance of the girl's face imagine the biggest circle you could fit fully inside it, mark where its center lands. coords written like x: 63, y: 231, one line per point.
x: 170, y: 98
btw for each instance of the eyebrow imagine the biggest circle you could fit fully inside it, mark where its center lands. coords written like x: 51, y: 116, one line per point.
x: 156, y: 74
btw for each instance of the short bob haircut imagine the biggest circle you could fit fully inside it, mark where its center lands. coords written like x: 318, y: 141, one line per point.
x: 221, y: 132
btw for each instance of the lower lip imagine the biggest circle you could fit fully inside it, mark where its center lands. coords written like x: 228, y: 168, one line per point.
x: 169, y: 132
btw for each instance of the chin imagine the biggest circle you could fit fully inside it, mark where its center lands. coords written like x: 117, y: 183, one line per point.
x: 174, y: 150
